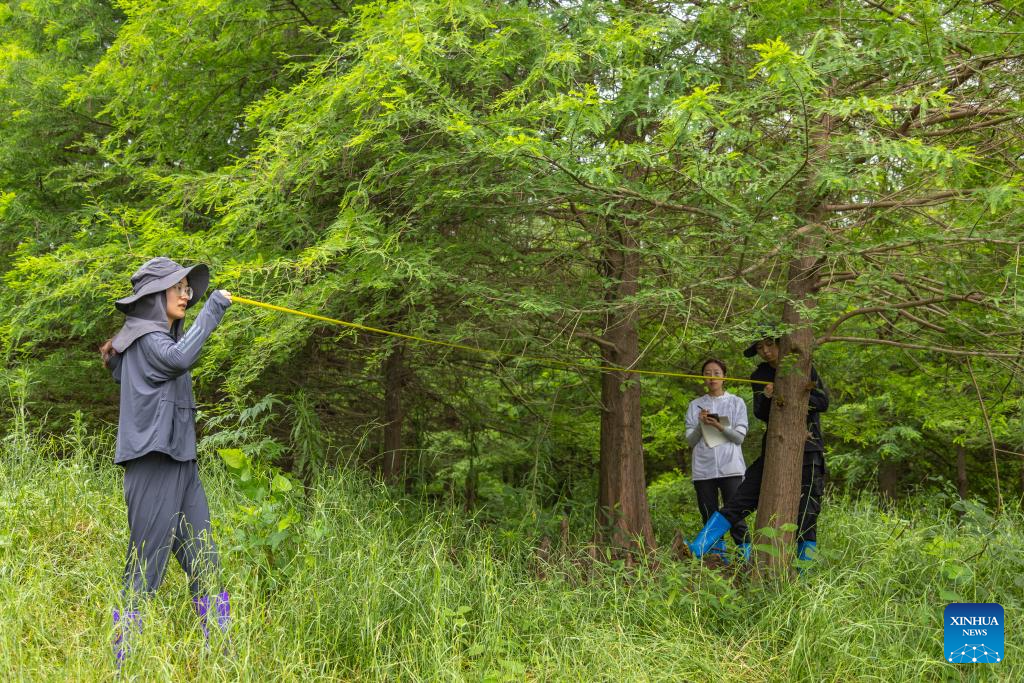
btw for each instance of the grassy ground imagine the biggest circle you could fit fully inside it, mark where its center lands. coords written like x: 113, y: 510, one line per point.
x: 385, y: 589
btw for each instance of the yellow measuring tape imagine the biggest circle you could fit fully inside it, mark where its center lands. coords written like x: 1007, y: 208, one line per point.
x: 487, y: 352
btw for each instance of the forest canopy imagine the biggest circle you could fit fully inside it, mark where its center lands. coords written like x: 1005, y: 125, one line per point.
x: 625, y: 184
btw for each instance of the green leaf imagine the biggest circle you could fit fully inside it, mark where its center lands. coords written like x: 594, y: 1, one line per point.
x: 280, y: 484
x: 234, y: 458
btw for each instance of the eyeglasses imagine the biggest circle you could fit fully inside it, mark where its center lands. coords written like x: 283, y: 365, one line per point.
x: 184, y: 291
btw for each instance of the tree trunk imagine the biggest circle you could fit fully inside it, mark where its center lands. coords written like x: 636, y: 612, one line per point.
x: 889, y: 474
x: 622, y: 514
x: 787, y: 427
x: 393, y: 457
x: 961, y: 472
x: 1022, y: 473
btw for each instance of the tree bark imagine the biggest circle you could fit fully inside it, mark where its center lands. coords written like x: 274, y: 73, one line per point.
x: 623, y: 516
x: 1022, y: 474
x: 961, y: 472
x: 393, y: 457
x: 888, y: 478
x: 787, y: 427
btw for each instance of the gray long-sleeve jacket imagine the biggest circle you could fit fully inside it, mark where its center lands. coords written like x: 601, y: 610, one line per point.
x: 158, y: 410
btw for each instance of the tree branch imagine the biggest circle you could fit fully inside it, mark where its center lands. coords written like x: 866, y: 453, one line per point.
x: 972, y: 297
x: 920, y: 347
x: 604, y: 343
x: 620, y: 192
x: 936, y: 198
x: 962, y: 114
x: 966, y: 129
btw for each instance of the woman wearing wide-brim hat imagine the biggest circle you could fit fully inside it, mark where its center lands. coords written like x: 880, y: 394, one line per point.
x: 151, y: 358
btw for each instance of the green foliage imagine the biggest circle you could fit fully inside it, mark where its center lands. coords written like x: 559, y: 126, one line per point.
x: 267, y: 526
x: 464, y: 172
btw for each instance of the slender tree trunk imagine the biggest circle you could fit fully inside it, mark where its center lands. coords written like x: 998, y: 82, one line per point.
x: 961, y: 472
x: 888, y: 478
x: 472, y: 479
x: 393, y: 460
x: 623, y: 516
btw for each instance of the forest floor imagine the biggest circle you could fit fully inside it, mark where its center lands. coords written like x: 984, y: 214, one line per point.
x: 383, y: 588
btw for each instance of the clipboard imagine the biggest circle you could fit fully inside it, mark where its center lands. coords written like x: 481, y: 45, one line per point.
x: 713, y: 437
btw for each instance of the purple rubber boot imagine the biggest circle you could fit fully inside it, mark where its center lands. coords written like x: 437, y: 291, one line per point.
x: 202, y: 608
x: 126, y: 625
x: 223, y: 602
x: 221, y: 610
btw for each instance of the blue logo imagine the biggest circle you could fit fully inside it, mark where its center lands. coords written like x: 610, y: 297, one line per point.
x: 974, y: 632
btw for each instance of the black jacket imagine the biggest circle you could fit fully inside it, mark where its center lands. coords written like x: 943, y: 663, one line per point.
x: 817, y: 404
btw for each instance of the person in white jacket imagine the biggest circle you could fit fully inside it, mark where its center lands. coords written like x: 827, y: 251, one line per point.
x: 718, y: 467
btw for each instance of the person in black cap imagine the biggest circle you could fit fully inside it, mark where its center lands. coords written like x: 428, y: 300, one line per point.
x: 151, y: 358
x: 812, y: 486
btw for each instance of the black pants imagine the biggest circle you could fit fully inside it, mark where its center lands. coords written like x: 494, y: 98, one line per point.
x: 708, y: 491
x: 812, y: 486
x: 167, y: 513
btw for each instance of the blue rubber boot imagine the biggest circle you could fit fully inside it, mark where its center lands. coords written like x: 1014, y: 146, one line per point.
x: 711, y: 533
x: 744, y: 549
x: 719, y: 549
x: 806, y: 550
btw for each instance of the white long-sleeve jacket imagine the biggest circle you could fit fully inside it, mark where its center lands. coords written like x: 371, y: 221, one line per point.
x: 724, y: 460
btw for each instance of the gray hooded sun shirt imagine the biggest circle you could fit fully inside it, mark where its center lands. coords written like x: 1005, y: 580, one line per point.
x: 153, y: 367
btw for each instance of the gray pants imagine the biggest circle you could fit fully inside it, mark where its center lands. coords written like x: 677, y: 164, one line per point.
x: 167, y: 512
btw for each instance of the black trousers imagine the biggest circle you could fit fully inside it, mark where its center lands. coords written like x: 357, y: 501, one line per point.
x: 708, y: 491
x: 167, y: 513
x: 812, y: 486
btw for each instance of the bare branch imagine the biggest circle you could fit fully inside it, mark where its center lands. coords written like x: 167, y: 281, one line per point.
x: 834, y: 278
x: 922, y: 322
x: 935, y: 198
x: 604, y: 343
x: 964, y: 113
x: 952, y: 242
x: 965, y: 129
x: 972, y: 297
x: 920, y: 347
x: 625, y: 193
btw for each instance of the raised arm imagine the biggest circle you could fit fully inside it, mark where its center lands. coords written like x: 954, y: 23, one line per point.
x: 762, y: 402
x: 168, y: 359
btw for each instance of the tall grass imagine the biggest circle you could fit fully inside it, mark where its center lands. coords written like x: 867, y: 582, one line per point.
x: 388, y: 589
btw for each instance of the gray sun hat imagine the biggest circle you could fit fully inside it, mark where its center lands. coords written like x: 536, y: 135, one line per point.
x: 160, y: 274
